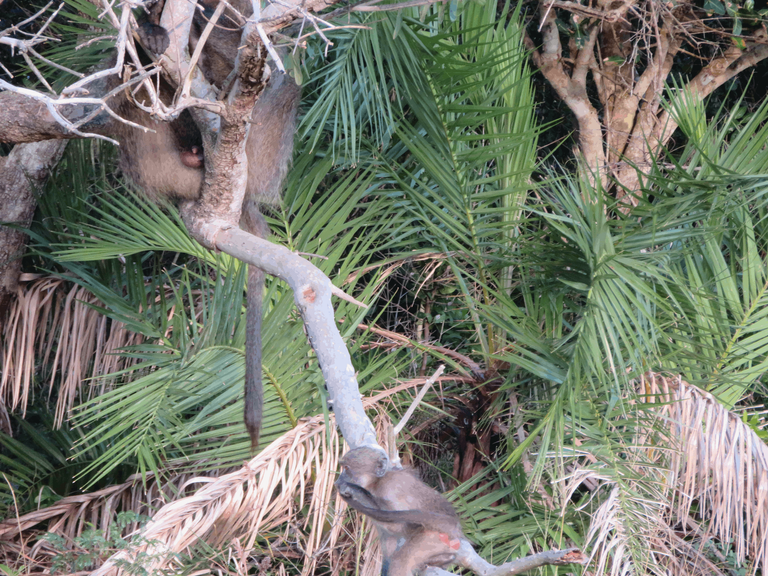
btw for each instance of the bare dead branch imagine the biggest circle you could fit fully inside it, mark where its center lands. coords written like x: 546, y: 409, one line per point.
x: 416, y: 401
x: 373, y: 5
x: 314, y: 20
x: 606, y: 15
x: 53, y: 105
x: 186, y: 85
x: 17, y: 27
x: 470, y: 559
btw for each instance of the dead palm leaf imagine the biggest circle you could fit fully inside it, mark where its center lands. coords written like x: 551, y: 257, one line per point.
x: 269, y: 491
x: 703, y: 456
x: 51, y: 316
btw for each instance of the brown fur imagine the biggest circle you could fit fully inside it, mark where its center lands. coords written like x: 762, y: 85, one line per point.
x: 168, y: 162
x: 417, y: 526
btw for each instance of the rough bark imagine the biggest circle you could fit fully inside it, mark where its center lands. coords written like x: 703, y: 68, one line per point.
x: 22, y: 174
x: 572, y: 88
x: 633, y: 126
x: 23, y: 119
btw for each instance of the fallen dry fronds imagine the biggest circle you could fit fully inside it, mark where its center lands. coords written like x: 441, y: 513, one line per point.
x: 693, y: 452
x: 269, y: 491
x: 227, y: 512
x: 54, y: 319
x: 73, y: 515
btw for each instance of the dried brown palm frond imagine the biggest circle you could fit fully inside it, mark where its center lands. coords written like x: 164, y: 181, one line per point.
x: 695, y: 453
x: 52, y: 319
x: 288, y: 487
x: 266, y: 493
x: 69, y: 517
x: 70, y: 514
x: 722, y: 465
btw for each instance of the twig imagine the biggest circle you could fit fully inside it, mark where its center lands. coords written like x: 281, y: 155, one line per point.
x: 468, y: 558
x: 347, y: 26
x: 314, y: 20
x: 370, y: 6
x: 122, y: 35
x: 186, y: 85
x: 39, y: 33
x: 419, y: 397
x: 339, y: 293
x: 546, y: 13
x: 270, y: 47
x: 55, y: 65
x: 53, y: 104
x: 16, y: 27
x: 37, y: 72
x: 92, y: 40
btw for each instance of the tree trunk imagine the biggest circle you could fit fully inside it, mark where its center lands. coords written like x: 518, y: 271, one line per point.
x: 22, y: 174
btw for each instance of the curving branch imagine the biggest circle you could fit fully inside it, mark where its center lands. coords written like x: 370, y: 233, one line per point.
x: 213, y: 219
x: 468, y: 558
x: 312, y: 293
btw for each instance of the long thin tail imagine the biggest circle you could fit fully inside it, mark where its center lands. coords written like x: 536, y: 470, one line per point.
x: 254, y: 394
x: 251, y: 220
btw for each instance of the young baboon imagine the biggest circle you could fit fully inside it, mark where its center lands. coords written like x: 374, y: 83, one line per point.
x: 417, y: 526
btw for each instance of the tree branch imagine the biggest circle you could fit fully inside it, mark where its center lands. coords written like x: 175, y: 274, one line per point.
x: 468, y: 558
x: 312, y: 293
x: 572, y: 89
x: 712, y: 77
x: 22, y: 173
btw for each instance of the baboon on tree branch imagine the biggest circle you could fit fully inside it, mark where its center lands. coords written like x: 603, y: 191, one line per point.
x: 169, y: 162
x: 417, y: 526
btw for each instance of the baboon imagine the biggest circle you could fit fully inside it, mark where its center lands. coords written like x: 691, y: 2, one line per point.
x: 417, y: 526
x: 169, y: 162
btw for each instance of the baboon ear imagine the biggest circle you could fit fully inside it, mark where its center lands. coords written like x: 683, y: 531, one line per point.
x: 382, y: 466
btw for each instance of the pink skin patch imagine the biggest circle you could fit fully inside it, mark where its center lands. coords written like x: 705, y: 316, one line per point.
x: 193, y: 158
x: 454, y: 544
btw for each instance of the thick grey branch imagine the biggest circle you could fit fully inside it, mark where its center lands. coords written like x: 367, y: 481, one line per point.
x: 312, y: 293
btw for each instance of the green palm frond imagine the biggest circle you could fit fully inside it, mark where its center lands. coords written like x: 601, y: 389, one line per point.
x: 720, y: 270
x: 449, y: 184
x: 182, y: 392
x: 601, y: 298
x: 39, y: 467
x: 353, y: 89
x: 462, y: 165
x: 126, y: 228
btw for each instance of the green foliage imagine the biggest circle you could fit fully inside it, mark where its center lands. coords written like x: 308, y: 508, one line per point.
x: 471, y: 148
x: 39, y: 466
x: 88, y: 550
x: 183, y: 394
x: 679, y: 286
x: 464, y: 98
x: 559, y: 299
